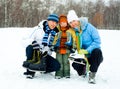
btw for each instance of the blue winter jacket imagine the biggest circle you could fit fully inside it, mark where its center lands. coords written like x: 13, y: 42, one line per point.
x: 90, y: 36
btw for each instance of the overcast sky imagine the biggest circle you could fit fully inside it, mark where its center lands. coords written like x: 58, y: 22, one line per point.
x: 94, y: 0
x: 63, y: 1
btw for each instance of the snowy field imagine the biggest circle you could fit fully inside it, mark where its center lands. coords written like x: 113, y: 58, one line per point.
x: 12, y: 55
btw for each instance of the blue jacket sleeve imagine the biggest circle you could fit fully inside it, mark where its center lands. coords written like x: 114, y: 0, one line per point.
x: 95, y: 39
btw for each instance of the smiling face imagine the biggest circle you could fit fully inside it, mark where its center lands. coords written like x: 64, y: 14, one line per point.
x: 63, y: 24
x: 74, y: 23
x: 52, y: 24
x: 63, y: 21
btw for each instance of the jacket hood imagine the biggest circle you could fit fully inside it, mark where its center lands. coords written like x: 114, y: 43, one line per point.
x: 40, y: 25
x: 83, y: 22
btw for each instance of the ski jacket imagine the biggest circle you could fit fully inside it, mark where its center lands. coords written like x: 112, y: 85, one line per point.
x: 90, y: 36
x: 40, y: 33
x: 71, y: 39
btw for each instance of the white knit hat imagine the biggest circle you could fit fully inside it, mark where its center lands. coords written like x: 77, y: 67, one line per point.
x: 72, y: 16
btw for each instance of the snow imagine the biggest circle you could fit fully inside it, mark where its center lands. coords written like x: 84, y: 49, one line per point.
x: 12, y: 55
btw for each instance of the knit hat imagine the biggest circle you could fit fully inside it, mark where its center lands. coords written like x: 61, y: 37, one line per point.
x: 63, y: 18
x: 35, y: 45
x: 53, y: 17
x: 72, y: 16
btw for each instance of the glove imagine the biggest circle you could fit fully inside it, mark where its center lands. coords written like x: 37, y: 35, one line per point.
x: 41, y: 47
x: 57, y: 43
x: 46, y: 49
x: 68, y: 43
x: 72, y: 50
x: 52, y: 48
x: 83, y: 51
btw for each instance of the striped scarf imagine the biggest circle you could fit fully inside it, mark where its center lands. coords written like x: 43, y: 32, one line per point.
x: 48, y: 32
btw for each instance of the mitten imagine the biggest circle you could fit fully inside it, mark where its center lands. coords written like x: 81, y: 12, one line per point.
x: 83, y: 51
x: 35, y: 45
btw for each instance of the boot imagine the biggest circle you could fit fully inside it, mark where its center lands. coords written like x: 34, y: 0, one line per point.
x: 92, y: 77
x: 28, y: 61
x: 40, y: 65
x: 28, y: 72
x: 37, y: 57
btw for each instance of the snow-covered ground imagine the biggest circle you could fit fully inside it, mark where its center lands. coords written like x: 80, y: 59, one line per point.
x: 12, y: 55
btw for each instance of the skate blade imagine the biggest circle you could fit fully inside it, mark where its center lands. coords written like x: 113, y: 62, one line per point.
x: 77, y: 61
x: 29, y: 76
x: 92, y: 82
x: 37, y: 71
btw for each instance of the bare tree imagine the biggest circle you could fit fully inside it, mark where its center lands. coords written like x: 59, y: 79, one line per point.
x: 28, y: 13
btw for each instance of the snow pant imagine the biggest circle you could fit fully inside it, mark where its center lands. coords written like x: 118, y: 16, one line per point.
x: 51, y: 63
x: 94, y: 60
x: 29, y: 55
x: 65, y: 65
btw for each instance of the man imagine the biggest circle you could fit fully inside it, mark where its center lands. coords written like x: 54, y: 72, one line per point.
x: 88, y: 43
x: 38, y: 53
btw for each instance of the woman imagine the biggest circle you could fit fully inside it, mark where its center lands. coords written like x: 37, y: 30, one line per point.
x: 89, y: 39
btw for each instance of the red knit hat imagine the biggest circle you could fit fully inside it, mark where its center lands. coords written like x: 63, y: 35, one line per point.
x: 62, y: 18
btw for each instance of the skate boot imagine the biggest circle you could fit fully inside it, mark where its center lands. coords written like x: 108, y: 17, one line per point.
x: 92, y: 78
x: 44, y: 54
x: 58, y: 77
x: 33, y: 60
x: 31, y: 75
x: 40, y: 65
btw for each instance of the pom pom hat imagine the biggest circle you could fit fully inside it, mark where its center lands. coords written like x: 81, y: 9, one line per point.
x: 72, y: 16
x: 53, y: 17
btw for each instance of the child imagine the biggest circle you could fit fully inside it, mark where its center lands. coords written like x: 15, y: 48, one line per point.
x: 65, y: 41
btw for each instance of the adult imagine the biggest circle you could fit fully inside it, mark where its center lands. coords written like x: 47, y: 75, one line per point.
x: 89, y: 39
x: 39, y: 51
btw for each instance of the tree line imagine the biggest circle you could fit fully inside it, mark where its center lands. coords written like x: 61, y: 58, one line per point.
x: 28, y: 13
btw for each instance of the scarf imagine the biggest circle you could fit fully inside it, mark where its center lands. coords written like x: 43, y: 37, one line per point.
x: 48, y: 32
x: 62, y: 48
x: 79, y: 39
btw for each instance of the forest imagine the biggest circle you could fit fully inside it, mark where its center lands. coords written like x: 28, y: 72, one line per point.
x: 28, y: 13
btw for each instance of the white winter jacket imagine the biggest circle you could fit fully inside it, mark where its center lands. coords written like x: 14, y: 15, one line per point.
x: 37, y: 35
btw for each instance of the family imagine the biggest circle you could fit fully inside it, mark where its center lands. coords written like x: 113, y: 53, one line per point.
x: 64, y: 34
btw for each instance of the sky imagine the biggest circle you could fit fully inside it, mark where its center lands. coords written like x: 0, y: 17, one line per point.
x: 105, y: 1
x: 12, y: 55
x: 63, y: 1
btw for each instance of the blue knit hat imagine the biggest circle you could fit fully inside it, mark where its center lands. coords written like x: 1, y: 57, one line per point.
x: 53, y: 17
